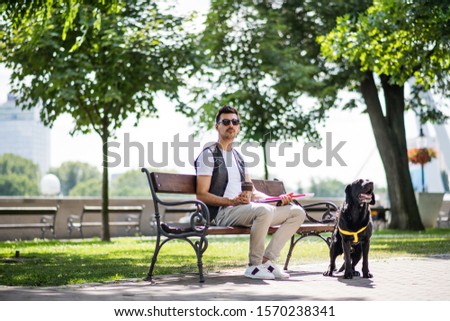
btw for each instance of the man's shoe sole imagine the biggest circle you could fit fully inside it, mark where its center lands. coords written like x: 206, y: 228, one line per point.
x: 259, y: 277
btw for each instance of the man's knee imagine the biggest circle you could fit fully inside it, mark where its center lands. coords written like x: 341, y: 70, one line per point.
x: 298, y: 213
x: 263, y: 212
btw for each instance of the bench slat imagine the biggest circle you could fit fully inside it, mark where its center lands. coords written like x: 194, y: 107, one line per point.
x: 235, y: 230
x: 174, y: 183
x: 271, y: 188
x: 92, y: 224
x: 113, y: 209
x: 46, y: 210
x: 25, y: 225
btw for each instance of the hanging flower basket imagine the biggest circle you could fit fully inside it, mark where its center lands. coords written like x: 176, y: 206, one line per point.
x: 421, y: 155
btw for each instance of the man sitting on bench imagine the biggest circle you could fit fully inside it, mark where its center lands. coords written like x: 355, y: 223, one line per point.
x: 220, y: 173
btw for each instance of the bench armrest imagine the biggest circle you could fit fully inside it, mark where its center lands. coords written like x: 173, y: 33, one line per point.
x: 199, y: 219
x: 48, y: 218
x: 73, y: 218
x: 329, y: 210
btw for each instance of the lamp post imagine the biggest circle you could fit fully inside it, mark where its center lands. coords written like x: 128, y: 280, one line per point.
x: 422, y: 145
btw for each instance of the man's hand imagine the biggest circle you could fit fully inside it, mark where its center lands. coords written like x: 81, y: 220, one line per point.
x: 242, y: 198
x: 285, y: 199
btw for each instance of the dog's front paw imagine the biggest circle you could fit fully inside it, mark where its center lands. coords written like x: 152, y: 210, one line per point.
x: 367, y: 275
x: 348, y: 275
x: 328, y: 273
x: 356, y: 273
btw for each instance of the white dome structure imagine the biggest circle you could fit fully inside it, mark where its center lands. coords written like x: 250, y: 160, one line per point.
x: 50, y: 185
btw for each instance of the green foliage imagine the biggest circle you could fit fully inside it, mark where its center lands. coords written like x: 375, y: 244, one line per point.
x: 99, y: 74
x: 396, y: 38
x: 18, y: 176
x: 130, y: 183
x: 89, y: 187
x: 399, y: 41
x: 327, y: 188
x: 114, y: 72
x: 72, y: 173
x: 22, y: 12
x: 262, y: 58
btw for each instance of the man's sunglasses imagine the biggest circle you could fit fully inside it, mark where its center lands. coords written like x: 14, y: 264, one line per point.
x: 227, y: 122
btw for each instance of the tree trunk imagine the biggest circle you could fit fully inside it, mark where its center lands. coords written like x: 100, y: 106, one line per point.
x: 105, y: 195
x: 266, y: 169
x: 389, y: 131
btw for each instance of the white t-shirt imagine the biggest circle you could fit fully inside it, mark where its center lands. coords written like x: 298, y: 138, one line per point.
x: 205, y: 164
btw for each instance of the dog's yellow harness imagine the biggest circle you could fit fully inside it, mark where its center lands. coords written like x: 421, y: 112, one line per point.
x: 355, y: 234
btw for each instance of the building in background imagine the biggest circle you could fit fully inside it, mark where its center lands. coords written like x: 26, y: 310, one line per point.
x: 22, y: 133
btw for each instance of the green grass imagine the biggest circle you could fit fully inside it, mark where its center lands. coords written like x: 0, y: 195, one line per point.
x: 63, y: 262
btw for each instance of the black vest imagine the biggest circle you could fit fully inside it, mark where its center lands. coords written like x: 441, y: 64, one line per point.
x: 219, y: 179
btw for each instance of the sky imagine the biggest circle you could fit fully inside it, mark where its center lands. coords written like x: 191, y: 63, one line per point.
x: 351, y: 130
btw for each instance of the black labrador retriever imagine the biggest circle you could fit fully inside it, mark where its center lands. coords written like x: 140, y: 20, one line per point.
x: 353, y: 230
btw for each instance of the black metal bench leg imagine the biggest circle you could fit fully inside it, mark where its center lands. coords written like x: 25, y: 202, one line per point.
x: 154, y: 258
x: 291, y: 249
x: 200, y: 247
x: 200, y: 268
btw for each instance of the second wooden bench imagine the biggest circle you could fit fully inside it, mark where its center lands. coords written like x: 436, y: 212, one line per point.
x: 130, y: 218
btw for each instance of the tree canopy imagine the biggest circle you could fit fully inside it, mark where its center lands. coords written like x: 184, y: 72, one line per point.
x: 18, y: 176
x: 72, y: 173
x: 262, y: 57
x: 114, y: 71
x: 393, y: 42
x: 283, y: 63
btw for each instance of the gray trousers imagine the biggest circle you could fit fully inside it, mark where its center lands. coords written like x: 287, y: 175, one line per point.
x: 260, y: 217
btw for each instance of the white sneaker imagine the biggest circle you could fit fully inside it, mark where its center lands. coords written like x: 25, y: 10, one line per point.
x: 258, y: 272
x: 275, y: 270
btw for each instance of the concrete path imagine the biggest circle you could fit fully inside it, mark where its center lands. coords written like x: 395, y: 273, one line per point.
x: 396, y: 279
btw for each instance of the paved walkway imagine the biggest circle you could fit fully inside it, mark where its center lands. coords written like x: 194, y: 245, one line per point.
x: 396, y: 279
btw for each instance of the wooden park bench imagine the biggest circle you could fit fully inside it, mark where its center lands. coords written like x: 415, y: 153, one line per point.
x: 130, y: 217
x: 197, y: 231
x: 47, y: 218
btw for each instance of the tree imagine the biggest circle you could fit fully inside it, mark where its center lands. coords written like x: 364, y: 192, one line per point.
x: 415, y: 45
x: 18, y: 176
x: 71, y: 173
x: 130, y: 183
x: 327, y: 188
x: 22, y: 12
x: 113, y: 71
x: 262, y: 57
x: 89, y: 187
x: 279, y: 45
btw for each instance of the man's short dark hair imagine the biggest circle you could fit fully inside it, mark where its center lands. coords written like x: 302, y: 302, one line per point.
x: 226, y: 110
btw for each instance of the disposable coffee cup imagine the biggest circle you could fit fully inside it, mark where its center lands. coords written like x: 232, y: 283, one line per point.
x: 247, y: 187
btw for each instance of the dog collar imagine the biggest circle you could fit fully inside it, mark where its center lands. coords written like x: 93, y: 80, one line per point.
x: 355, y: 234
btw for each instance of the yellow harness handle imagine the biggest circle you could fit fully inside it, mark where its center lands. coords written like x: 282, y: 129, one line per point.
x: 355, y: 234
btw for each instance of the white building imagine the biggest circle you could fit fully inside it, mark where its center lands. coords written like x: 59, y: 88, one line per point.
x: 22, y: 133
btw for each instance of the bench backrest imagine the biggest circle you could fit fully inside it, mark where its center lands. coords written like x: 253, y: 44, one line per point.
x: 173, y: 183
x: 186, y: 184
x: 41, y: 210
x: 114, y: 209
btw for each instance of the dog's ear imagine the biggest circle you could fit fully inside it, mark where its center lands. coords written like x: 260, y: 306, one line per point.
x: 348, y: 192
x: 372, y: 202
